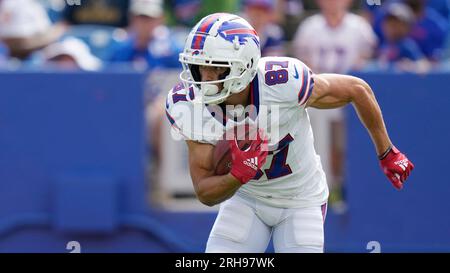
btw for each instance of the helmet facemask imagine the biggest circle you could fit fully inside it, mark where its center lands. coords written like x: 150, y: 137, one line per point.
x: 210, y: 93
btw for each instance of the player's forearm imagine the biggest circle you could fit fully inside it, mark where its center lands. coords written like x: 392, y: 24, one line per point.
x: 369, y: 113
x: 216, y: 189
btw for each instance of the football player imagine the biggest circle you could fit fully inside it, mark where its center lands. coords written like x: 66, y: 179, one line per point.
x: 279, y: 192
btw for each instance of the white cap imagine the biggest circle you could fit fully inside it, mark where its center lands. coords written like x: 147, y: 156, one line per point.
x: 400, y: 11
x: 151, y: 8
x: 76, y: 49
x: 22, y: 18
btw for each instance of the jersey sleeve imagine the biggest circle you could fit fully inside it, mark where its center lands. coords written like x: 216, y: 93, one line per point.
x: 190, y: 121
x: 177, y: 111
x: 303, y: 84
x: 288, y: 81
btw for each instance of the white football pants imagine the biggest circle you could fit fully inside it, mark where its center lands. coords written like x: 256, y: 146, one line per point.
x: 245, y: 225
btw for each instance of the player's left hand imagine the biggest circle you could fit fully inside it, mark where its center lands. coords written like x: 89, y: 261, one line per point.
x: 396, y: 166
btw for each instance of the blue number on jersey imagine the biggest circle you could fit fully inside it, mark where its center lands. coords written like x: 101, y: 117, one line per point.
x: 278, y: 167
x: 181, y: 97
x: 273, y: 77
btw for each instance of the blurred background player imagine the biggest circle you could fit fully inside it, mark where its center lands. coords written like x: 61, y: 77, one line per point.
x: 346, y: 41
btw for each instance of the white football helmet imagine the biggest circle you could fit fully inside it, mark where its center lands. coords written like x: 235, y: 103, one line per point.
x: 223, y: 40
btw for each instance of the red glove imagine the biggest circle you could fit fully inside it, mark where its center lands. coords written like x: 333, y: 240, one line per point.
x: 245, y: 164
x: 396, y: 166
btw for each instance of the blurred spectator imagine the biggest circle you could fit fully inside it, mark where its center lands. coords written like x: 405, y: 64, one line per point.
x: 429, y: 30
x: 189, y: 12
x: 185, y: 11
x: 375, y: 14
x: 430, y: 27
x: 440, y: 6
x: 292, y: 13
x: 25, y: 27
x: 98, y: 12
x: 70, y: 54
x: 334, y: 40
x: 150, y: 44
x: 54, y: 8
x: 371, y: 11
x: 399, y: 49
x: 182, y: 15
x: 261, y: 15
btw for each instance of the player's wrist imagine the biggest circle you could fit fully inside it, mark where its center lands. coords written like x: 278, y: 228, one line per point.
x: 385, y: 153
x: 390, y: 153
x: 234, y: 178
x: 237, y: 176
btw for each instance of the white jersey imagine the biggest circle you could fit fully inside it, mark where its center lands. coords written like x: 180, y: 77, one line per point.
x: 334, y: 50
x: 292, y: 175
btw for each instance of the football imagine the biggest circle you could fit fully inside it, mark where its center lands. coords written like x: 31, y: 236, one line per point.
x: 222, y: 155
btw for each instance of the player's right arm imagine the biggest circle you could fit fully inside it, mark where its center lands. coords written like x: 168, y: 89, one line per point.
x: 210, y: 189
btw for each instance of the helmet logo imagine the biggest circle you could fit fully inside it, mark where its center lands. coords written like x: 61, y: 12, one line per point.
x: 203, y: 30
x: 233, y: 31
x: 196, y: 52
